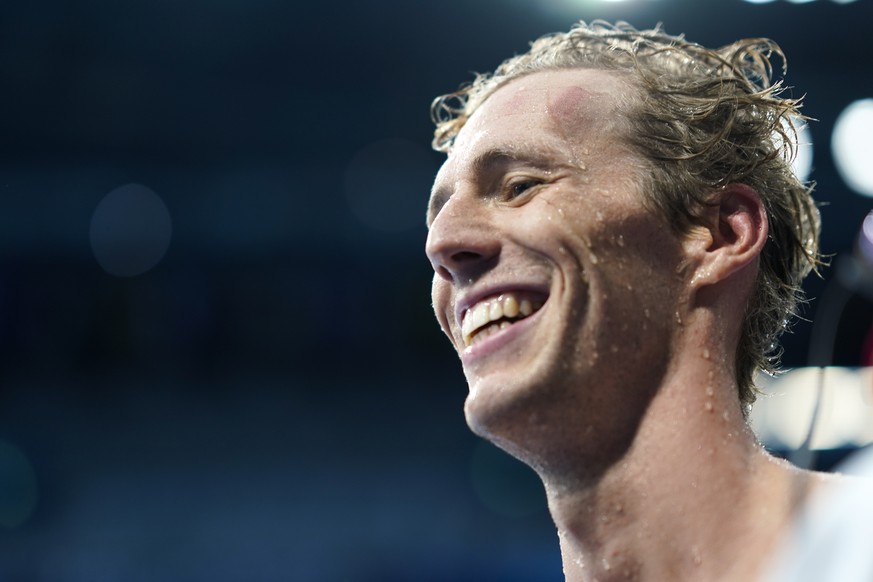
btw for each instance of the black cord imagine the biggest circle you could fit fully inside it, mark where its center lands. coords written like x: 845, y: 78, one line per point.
x: 822, y: 341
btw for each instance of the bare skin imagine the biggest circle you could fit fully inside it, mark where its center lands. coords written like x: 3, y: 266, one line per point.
x: 619, y: 389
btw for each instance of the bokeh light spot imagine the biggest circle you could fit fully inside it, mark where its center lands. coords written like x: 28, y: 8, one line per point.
x: 852, y: 144
x: 803, y: 156
x: 18, y: 488
x: 797, y: 129
x: 130, y: 230
x: 388, y: 182
x: 865, y: 239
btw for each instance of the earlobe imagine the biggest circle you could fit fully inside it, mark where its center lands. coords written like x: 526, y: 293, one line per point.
x: 733, y: 232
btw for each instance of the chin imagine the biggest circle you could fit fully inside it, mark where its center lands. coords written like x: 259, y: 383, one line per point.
x: 493, y: 406
x: 512, y: 414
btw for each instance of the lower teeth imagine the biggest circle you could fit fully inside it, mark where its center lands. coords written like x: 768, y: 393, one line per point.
x: 489, y: 331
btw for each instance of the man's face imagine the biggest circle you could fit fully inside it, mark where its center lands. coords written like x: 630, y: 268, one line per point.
x: 556, y: 286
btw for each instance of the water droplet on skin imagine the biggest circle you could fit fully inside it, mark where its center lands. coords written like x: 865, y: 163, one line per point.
x: 710, y: 390
x: 614, y: 349
x: 593, y: 259
x: 620, y: 240
x: 708, y: 406
x: 647, y: 313
x: 599, y: 216
x: 562, y: 250
x: 678, y: 318
x: 705, y: 353
x: 696, y: 557
x: 726, y: 415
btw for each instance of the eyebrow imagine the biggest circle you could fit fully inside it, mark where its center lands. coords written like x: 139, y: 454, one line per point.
x: 489, y: 161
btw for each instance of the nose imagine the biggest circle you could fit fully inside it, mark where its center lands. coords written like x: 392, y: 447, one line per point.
x: 462, y: 242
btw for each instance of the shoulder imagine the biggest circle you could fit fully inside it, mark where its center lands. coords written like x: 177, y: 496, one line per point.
x: 830, y: 540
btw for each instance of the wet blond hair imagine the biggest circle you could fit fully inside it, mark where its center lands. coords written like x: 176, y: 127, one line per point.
x: 704, y: 118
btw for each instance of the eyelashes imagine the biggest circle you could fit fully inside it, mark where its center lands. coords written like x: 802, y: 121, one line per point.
x: 520, y: 188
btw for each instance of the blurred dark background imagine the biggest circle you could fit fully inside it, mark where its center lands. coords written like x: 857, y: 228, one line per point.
x: 217, y: 355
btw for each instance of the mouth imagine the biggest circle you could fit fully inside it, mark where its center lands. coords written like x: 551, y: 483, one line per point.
x: 494, y: 314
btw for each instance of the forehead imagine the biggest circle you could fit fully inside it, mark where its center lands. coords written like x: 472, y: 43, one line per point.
x: 563, y: 115
x: 569, y: 104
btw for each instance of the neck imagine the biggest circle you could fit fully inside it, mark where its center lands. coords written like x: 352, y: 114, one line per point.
x: 693, y: 498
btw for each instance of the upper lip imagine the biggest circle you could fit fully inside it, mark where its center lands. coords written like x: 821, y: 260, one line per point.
x: 474, y: 296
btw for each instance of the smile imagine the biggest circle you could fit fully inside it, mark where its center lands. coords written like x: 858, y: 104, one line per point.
x: 489, y: 316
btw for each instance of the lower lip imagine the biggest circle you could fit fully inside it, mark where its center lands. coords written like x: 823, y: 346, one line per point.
x: 497, y: 341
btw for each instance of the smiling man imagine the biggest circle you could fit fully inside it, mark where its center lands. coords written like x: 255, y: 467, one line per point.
x: 618, y: 239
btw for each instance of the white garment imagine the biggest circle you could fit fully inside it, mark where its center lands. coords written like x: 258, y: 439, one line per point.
x: 833, y: 538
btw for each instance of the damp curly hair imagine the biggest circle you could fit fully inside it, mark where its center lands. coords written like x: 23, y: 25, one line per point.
x: 703, y: 118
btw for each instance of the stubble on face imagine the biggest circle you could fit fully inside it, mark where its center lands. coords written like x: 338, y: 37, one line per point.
x: 578, y: 369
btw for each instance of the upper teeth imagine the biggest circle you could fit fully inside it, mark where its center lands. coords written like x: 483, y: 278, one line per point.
x: 494, y: 309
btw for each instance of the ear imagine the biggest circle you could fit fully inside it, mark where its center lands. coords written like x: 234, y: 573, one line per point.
x: 729, y: 237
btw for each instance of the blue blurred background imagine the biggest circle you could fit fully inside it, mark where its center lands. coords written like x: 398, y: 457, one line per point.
x: 217, y: 355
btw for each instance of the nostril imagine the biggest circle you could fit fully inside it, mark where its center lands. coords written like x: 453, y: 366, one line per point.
x: 443, y: 273
x: 465, y: 256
